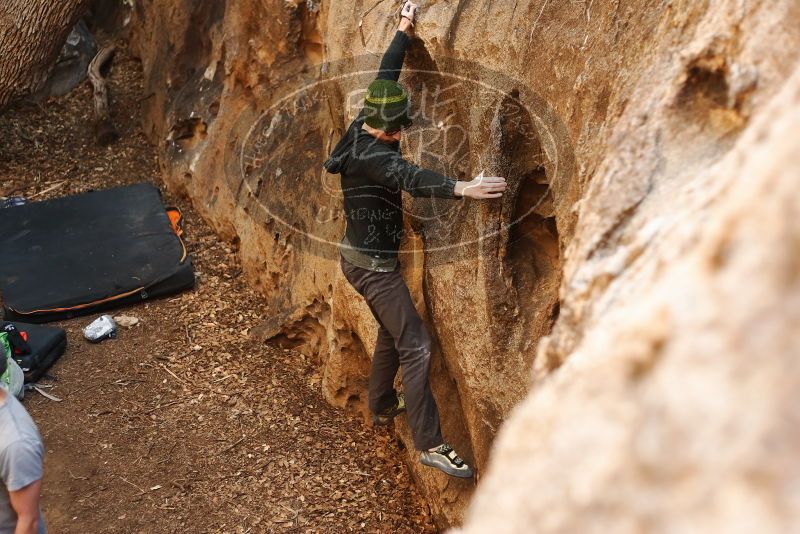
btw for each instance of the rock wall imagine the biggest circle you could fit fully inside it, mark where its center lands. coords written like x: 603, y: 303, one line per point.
x: 643, y: 259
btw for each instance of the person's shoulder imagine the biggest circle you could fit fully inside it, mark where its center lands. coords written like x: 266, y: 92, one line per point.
x: 21, y: 448
x: 10, y: 431
x: 11, y: 442
x: 17, y: 423
x: 17, y: 448
x: 21, y: 463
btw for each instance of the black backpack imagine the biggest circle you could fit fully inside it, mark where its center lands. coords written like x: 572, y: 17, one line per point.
x: 35, y: 347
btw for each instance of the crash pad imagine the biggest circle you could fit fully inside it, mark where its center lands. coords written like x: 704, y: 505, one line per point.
x: 86, y: 253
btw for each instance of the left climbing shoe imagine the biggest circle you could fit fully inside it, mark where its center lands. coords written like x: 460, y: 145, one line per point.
x: 385, y: 417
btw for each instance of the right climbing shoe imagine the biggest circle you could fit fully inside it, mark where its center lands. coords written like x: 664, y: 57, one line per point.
x: 445, y: 459
x: 386, y: 416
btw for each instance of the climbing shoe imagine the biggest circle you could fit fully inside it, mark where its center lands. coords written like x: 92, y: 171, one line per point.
x: 386, y: 416
x: 445, y: 459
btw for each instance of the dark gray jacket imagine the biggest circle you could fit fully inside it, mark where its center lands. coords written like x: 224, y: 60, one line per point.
x: 374, y: 174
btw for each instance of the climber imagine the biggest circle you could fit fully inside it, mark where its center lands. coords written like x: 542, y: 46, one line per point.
x: 373, y: 173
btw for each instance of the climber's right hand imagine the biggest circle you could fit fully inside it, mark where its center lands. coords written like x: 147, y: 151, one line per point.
x: 408, y: 16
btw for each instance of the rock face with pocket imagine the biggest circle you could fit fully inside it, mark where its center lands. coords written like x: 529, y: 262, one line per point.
x: 599, y: 326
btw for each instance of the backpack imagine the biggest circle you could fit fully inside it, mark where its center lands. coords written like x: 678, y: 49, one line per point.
x: 11, y: 376
x: 34, y: 347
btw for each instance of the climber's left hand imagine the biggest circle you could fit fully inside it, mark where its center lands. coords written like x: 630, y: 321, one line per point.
x: 481, y: 187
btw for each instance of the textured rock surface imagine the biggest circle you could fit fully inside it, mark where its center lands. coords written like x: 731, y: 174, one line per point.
x: 651, y: 159
x: 674, y: 409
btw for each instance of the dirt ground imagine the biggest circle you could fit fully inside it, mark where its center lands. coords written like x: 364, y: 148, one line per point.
x: 185, y: 423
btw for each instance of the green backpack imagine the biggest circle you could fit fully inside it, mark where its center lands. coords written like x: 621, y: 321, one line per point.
x: 11, y: 376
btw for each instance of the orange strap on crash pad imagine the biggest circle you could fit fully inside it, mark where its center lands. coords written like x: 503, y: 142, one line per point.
x: 175, y: 219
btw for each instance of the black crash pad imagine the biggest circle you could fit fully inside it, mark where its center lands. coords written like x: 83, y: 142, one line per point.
x: 83, y: 254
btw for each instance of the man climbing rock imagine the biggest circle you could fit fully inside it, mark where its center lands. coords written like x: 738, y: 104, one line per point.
x: 21, y: 454
x: 373, y: 175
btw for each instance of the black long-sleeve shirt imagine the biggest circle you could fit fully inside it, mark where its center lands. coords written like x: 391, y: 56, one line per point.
x: 373, y: 175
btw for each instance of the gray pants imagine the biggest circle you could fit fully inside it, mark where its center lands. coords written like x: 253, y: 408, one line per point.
x: 403, y: 341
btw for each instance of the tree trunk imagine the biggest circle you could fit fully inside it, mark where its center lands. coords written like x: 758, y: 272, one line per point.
x: 32, y: 33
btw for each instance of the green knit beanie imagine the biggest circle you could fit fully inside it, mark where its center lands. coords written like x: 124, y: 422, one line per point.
x: 386, y: 106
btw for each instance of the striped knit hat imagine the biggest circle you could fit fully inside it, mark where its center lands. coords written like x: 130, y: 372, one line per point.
x: 386, y: 106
